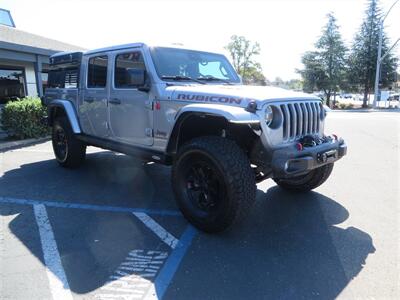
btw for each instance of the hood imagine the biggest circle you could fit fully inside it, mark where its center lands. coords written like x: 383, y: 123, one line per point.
x: 238, y: 95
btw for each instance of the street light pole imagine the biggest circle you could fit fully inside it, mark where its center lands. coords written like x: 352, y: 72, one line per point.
x: 379, y: 59
x: 378, y: 65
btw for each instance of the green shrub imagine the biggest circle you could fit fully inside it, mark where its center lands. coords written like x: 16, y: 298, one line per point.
x: 350, y: 106
x: 23, y: 118
x: 342, y: 105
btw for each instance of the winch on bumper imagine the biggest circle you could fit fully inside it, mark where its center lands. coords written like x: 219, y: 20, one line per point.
x: 301, y: 158
x: 297, y: 159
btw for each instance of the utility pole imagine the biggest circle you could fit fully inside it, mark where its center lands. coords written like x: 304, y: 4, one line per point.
x: 379, y: 59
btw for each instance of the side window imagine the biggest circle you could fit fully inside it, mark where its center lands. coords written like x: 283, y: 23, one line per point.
x: 97, y: 72
x: 123, y: 63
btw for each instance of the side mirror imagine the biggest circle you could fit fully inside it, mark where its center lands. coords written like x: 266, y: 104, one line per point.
x: 136, y: 77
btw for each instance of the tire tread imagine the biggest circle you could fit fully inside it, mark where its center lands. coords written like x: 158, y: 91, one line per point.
x: 76, y: 148
x: 240, y: 178
x: 319, y: 176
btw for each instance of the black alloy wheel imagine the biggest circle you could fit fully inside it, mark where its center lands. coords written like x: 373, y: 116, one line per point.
x: 204, y: 186
x: 60, y: 144
x: 69, y: 151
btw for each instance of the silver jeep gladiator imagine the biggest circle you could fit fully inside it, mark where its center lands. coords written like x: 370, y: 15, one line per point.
x: 189, y: 109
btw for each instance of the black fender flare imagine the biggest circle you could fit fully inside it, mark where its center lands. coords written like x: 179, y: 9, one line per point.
x: 68, y: 108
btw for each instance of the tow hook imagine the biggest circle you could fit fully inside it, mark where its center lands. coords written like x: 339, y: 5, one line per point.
x: 326, y: 157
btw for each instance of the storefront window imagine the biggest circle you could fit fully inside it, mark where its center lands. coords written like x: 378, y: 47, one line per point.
x: 12, y: 84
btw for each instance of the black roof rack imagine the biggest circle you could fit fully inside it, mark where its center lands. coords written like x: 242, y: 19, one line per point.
x: 66, y: 58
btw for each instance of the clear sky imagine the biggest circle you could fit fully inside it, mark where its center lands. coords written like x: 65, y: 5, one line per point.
x: 285, y: 29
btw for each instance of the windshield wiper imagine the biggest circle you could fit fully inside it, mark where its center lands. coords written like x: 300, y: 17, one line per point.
x: 182, y: 78
x: 212, y: 78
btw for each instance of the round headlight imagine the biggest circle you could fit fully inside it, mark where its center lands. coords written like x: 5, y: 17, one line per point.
x: 269, y: 115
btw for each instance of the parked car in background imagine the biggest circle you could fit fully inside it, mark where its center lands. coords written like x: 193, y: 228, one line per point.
x: 394, y: 96
x: 346, y: 96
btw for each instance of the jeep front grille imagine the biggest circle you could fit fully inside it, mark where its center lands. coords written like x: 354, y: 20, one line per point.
x: 300, y: 119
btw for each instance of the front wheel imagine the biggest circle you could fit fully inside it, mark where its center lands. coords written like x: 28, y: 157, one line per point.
x: 307, y: 182
x: 213, y: 183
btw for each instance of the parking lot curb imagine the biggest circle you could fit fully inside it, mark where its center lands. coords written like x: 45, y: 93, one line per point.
x: 12, y: 145
x: 367, y: 110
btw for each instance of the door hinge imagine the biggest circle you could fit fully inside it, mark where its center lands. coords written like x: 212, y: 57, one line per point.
x: 149, y: 132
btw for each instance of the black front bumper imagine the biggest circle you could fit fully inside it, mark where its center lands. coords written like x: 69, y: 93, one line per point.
x: 290, y: 161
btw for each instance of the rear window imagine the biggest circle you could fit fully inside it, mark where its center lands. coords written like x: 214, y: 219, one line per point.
x: 63, y: 78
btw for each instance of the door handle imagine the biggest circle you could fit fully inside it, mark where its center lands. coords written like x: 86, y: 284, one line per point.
x: 115, y: 101
x: 88, y: 99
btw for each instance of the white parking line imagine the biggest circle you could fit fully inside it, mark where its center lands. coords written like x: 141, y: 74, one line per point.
x: 129, y: 274
x: 58, y: 283
x: 164, y: 235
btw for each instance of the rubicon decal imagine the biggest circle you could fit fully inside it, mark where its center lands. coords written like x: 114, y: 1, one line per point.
x: 203, y: 98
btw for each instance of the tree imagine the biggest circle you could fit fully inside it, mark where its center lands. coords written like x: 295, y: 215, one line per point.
x: 313, y: 75
x: 324, y: 68
x: 243, y: 54
x: 364, y: 52
x: 295, y: 84
x: 292, y: 84
x: 279, y: 82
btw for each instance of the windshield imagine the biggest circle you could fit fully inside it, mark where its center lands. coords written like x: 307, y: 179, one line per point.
x: 178, y: 63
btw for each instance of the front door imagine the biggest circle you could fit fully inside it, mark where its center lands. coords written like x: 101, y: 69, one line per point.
x: 131, y: 116
x: 93, y: 103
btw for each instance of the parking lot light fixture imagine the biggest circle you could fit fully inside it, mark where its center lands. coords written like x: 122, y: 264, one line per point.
x: 379, y: 59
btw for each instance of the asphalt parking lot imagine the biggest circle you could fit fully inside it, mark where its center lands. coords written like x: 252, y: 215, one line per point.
x: 111, y: 229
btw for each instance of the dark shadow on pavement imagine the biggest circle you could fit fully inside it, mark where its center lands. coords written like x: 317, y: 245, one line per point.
x: 104, y: 179
x: 288, y: 248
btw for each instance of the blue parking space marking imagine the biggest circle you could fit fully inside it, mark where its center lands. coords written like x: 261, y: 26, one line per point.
x: 171, y: 265
x: 161, y: 212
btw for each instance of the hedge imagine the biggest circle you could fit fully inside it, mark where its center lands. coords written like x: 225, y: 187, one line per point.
x: 22, y: 118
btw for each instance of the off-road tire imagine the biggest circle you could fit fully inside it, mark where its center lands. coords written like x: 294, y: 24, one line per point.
x: 236, y: 180
x: 307, y: 182
x: 75, y: 149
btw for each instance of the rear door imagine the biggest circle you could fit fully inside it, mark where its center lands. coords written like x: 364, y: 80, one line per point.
x: 93, y: 109
x: 130, y: 110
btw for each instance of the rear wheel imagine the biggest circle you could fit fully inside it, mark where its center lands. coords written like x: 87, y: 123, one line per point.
x: 213, y: 183
x: 68, y: 150
x: 307, y: 182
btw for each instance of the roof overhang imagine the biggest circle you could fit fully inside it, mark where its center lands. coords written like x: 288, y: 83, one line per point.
x: 26, y: 49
